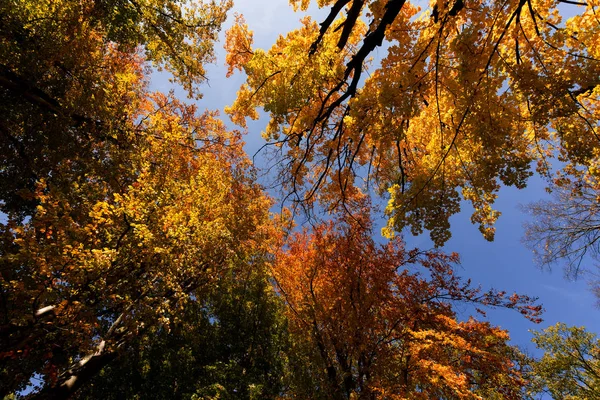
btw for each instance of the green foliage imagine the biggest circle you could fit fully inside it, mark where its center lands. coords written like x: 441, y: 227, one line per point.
x: 570, y: 367
x: 229, y: 346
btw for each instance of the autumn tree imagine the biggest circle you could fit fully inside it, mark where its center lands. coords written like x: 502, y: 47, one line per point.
x: 68, y: 76
x: 120, y: 206
x: 108, y: 256
x: 464, y: 97
x: 378, y: 321
x: 570, y: 366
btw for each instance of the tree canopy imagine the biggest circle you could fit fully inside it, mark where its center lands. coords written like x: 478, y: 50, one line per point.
x: 139, y: 257
x: 380, y: 321
x: 121, y: 205
x: 466, y: 96
x: 227, y: 346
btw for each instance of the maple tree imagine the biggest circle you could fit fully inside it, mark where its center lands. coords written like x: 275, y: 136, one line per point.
x: 121, y: 206
x: 377, y: 321
x: 109, y: 255
x: 570, y: 366
x: 467, y: 95
x: 67, y: 77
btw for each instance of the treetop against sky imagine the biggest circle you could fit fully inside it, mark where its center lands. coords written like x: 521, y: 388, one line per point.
x: 465, y: 99
x: 132, y: 219
x: 386, y: 100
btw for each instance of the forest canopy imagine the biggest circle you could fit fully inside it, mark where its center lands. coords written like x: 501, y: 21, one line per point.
x: 140, y: 256
x: 467, y: 96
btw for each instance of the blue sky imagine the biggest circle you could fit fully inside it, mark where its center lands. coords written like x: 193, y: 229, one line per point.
x: 503, y: 264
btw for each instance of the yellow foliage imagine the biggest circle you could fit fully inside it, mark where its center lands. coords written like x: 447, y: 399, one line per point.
x: 467, y: 96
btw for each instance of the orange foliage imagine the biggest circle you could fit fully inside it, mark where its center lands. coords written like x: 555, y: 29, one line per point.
x: 379, y: 319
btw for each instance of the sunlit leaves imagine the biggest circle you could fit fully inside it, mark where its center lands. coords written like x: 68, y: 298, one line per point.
x: 466, y: 97
x: 121, y: 205
x: 136, y: 245
x: 379, y: 320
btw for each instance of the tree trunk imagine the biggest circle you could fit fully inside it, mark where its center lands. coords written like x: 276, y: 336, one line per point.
x: 77, y: 376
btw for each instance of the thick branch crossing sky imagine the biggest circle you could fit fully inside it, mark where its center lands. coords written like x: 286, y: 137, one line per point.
x: 504, y: 264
